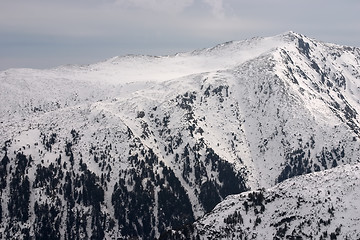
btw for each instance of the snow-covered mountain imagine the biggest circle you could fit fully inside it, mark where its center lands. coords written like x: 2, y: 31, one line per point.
x: 322, y: 205
x: 137, y: 145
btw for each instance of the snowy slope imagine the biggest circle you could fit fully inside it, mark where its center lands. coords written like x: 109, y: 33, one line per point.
x: 136, y: 145
x: 321, y: 205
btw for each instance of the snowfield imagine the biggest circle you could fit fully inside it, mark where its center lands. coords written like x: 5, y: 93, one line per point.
x: 135, y: 146
x: 321, y: 205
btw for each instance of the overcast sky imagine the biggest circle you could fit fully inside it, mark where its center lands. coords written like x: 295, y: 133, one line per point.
x: 47, y: 33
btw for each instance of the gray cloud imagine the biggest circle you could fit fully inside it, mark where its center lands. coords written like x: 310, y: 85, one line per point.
x: 39, y: 33
x: 217, y: 7
x: 164, y: 6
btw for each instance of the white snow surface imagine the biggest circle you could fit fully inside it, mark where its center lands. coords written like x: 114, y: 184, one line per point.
x: 258, y: 103
x: 312, y: 206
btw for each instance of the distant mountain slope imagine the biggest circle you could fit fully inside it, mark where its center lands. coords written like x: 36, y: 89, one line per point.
x: 321, y: 205
x: 136, y: 145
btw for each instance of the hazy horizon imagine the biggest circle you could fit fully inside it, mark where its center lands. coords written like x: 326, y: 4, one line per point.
x: 43, y: 34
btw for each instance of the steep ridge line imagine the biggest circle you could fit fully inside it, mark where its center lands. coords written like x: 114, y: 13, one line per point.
x: 137, y: 145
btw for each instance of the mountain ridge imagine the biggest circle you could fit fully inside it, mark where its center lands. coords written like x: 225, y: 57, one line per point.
x: 138, y: 147
x: 318, y: 205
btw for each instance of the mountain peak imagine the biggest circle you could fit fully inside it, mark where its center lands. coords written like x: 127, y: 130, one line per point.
x: 290, y: 36
x: 137, y: 145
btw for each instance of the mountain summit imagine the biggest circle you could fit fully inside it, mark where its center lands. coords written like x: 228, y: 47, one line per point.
x: 137, y: 145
